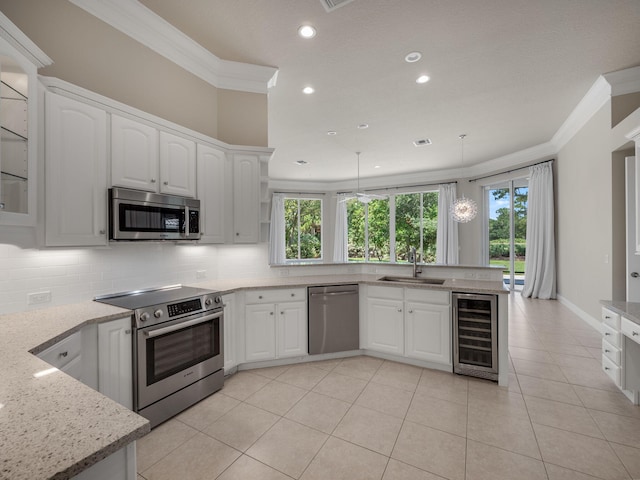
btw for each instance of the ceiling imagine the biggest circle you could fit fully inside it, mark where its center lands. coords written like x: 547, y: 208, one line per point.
x: 507, y: 73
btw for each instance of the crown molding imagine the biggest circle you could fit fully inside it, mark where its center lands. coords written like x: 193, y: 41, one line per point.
x: 624, y: 81
x: 138, y: 22
x: 18, y: 40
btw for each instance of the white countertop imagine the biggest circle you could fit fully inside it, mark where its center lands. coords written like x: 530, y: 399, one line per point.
x: 55, y: 426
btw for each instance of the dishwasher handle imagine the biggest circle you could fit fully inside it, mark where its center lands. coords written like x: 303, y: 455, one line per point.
x: 333, y: 294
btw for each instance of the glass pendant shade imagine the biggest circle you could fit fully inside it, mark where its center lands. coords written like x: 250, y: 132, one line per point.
x: 463, y: 210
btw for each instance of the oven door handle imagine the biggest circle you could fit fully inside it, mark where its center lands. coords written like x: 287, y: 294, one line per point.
x: 180, y: 326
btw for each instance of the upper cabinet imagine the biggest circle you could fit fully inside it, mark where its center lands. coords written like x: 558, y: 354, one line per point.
x: 19, y: 60
x: 144, y: 158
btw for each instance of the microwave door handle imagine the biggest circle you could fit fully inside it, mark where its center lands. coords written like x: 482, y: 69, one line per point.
x: 185, y: 225
x: 180, y: 326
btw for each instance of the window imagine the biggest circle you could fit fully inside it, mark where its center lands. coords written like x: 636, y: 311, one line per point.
x: 385, y: 230
x: 303, y: 229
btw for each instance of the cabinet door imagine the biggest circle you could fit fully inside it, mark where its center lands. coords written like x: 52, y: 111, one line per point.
x: 385, y: 332
x: 260, y: 332
x: 292, y: 329
x: 75, y: 173
x: 246, y: 198
x: 115, y: 374
x: 228, y: 301
x: 428, y: 330
x: 134, y: 154
x: 177, y: 165
x: 212, y: 190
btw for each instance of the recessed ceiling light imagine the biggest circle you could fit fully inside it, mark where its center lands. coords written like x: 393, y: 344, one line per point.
x: 308, y: 90
x: 377, y: 166
x: 301, y: 162
x: 306, y: 31
x: 422, y: 142
x: 422, y: 79
x: 332, y: 132
x: 412, y: 57
x: 362, y: 126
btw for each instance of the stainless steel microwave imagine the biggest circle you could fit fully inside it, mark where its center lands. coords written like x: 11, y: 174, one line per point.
x: 138, y: 215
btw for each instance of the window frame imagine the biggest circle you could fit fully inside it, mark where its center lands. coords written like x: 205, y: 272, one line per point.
x: 299, y: 197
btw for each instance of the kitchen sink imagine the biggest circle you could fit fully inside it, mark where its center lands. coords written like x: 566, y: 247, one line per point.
x: 420, y: 280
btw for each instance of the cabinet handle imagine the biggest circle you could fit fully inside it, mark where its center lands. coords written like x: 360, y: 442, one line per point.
x: 293, y: 294
x: 635, y: 334
x: 64, y: 354
x: 260, y: 297
x: 410, y: 311
x: 607, y: 317
x: 237, y: 234
x: 166, y: 183
x: 607, y: 351
x: 399, y: 310
x: 270, y: 313
x: 153, y: 180
x: 607, y: 368
x: 1, y: 206
x: 281, y: 313
x: 127, y: 332
x: 606, y: 334
x: 102, y: 232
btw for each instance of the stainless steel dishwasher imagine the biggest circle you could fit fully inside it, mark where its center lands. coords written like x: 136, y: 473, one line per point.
x: 334, y: 323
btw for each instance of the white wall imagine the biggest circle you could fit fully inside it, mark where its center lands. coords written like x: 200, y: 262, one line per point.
x: 583, y: 191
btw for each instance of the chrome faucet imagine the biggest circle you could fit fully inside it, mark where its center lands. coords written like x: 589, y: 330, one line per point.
x: 413, y: 257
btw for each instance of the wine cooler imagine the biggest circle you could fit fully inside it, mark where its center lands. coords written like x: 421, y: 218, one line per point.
x: 475, y: 335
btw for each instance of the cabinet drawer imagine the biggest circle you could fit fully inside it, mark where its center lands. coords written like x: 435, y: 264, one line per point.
x: 276, y: 296
x: 611, y: 352
x: 63, y: 352
x: 435, y: 297
x: 392, y: 293
x: 631, y: 330
x: 611, y: 369
x: 610, y: 335
x: 610, y: 318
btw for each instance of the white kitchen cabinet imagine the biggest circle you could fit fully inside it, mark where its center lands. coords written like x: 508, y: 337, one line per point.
x: 120, y: 465
x: 428, y: 325
x: 115, y: 370
x: 212, y: 192
x: 246, y: 198
x: 409, y: 322
x: 177, y: 165
x: 66, y: 355
x: 134, y: 154
x: 385, y: 325
x: 260, y: 332
x: 75, y: 173
x: 229, y: 328
x: 612, y: 347
x: 144, y: 158
x: 275, y: 324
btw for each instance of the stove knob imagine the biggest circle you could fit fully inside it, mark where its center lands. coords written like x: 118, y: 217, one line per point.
x: 158, y: 313
x: 144, y: 317
x: 208, y: 302
x: 218, y: 299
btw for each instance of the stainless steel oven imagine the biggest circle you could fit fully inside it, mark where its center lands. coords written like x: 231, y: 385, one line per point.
x: 178, y: 352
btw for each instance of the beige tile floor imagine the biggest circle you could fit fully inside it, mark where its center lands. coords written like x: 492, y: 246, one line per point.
x: 366, y: 418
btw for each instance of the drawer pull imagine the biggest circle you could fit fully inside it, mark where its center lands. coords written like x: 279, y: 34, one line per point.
x: 607, y: 334
x: 293, y: 294
x: 634, y: 334
x: 260, y: 297
x: 64, y: 354
x: 607, y: 368
x: 607, y: 317
x: 607, y: 351
x: 270, y: 313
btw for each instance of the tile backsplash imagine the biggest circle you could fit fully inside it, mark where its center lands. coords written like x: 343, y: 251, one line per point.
x: 79, y: 274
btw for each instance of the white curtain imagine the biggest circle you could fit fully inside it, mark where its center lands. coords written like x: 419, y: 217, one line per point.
x: 340, y: 248
x: 447, y: 237
x: 277, y: 254
x: 540, y: 265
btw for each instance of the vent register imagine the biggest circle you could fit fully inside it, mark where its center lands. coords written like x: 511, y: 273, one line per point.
x: 331, y: 5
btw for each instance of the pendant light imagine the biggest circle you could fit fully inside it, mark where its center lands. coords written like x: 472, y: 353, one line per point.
x: 464, y: 209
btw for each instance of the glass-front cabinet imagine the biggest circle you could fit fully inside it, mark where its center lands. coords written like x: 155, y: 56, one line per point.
x: 19, y: 60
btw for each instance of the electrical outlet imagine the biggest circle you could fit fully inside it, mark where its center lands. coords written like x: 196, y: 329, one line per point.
x: 39, y: 297
x: 200, y: 274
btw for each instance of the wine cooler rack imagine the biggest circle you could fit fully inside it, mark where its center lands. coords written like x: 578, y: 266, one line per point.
x: 475, y: 335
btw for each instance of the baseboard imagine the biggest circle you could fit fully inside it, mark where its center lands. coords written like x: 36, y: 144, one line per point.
x: 592, y: 322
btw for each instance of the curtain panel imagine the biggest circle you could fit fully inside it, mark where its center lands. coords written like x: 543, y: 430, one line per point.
x: 340, y: 241
x: 277, y: 255
x: 540, y: 263
x: 447, y: 236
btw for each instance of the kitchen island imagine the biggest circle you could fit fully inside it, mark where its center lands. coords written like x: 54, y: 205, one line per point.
x: 53, y: 426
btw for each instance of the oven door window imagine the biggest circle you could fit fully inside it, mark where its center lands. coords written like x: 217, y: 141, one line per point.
x: 147, y: 218
x: 176, y: 351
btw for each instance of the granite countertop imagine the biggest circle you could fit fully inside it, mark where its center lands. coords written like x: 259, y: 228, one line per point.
x: 453, y: 285
x: 55, y: 426
x: 629, y: 310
